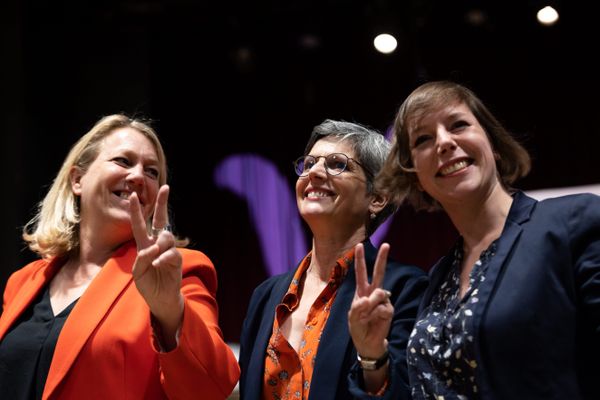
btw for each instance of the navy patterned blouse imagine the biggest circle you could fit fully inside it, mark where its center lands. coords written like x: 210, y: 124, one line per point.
x: 441, y: 361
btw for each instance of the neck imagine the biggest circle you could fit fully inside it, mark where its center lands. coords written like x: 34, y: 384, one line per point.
x: 481, y: 221
x: 97, y: 246
x: 326, y: 250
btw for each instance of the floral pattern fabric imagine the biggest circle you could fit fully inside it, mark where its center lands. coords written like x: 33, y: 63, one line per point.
x: 288, y: 373
x: 441, y: 361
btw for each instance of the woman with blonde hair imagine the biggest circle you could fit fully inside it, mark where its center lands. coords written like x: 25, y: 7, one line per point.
x: 113, y: 309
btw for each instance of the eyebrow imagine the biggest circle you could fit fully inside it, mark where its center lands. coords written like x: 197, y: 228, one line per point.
x: 129, y: 151
x: 452, y: 114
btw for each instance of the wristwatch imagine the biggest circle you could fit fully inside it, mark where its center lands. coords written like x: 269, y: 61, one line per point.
x: 373, y: 364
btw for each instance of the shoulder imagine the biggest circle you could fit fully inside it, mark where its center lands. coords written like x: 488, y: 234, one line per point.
x: 268, y: 284
x: 407, y: 284
x: 197, y: 264
x: 18, y: 278
x: 574, y: 211
x: 263, y: 295
x: 393, y: 268
x: 399, y: 272
x: 571, y: 202
x: 194, y: 257
x: 29, y: 271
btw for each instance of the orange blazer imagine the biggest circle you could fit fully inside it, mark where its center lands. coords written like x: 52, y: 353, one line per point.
x: 106, y: 349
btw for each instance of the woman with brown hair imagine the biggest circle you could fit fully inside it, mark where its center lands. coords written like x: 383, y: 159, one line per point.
x: 513, y: 311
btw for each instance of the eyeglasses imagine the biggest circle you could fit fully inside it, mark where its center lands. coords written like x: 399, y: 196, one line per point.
x: 335, y: 164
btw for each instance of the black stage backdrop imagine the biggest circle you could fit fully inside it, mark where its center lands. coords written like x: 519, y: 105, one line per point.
x: 239, y: 77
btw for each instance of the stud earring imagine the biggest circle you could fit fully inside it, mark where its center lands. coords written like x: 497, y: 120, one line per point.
x: 373, y: 215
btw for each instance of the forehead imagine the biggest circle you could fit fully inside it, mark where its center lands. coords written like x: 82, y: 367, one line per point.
x: 437, y: 114
x: 330, y: 145
x: 128, y: 139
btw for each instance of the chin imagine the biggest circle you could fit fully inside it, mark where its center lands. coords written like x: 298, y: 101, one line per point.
x: 315, y: 216
x: 119, y: 218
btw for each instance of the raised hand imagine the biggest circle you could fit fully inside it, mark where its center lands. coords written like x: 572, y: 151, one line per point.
x: 157, y: 268
x: 371, y: 312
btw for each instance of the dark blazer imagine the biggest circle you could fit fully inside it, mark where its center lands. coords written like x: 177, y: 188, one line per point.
x: 336, y: 356
x: 538, y: 327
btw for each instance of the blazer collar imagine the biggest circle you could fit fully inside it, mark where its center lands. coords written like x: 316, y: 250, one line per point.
x: 519, y: 213
x: 336, y: 340
x: 28, y: 292
x: 90, y: 309
x: 521, y: 208
x: 256, y: 365
x: 334, y: 343
x: 330, y: 357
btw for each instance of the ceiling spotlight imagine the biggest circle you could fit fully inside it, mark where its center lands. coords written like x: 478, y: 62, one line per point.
x: 547, y: 16
x: 309, y: 41
x: 476, y: 17
x: 385, y: 43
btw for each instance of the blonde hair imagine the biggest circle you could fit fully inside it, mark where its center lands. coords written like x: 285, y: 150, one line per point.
x: 54, y: 230
x: 398, y: 178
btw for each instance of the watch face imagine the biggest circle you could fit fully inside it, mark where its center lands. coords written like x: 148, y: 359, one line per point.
x: 369, y: 365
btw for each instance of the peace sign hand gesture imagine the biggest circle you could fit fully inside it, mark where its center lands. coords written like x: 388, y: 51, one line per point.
x: 371, y: 312
x: 157, y: 268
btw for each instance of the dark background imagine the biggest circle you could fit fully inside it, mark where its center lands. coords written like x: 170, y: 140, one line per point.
x: 228, y: 77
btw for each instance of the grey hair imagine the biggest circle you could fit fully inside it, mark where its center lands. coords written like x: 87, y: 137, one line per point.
x: 370, y: 149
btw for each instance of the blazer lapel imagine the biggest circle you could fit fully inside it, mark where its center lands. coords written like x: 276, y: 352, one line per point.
x: 256, y: 366
x: 520, y: 212
x: 335, y: 339
x: 28, y: 293
x: 90, y: 309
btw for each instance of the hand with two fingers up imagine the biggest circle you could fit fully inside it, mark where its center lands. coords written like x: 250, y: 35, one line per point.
x: 370, y: 318
x: 157, y: 270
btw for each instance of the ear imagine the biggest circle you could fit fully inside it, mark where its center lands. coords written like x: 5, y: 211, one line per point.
x: 75, y: 176
x: 377, y: 203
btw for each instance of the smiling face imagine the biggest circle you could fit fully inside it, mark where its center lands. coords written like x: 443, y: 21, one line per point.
x: 339, y: 201
x: 452, y: 155
x: 127, y: 162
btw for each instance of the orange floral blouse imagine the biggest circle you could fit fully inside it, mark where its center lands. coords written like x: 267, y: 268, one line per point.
x: 287, y: 373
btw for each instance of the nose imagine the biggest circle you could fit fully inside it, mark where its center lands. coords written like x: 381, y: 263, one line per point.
x: 136, y: 175
x: 318, y: 170
x: 445, y: 141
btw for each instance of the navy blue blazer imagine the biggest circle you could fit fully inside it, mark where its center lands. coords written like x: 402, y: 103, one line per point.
x: 538, y: 329
x: 336, y: 374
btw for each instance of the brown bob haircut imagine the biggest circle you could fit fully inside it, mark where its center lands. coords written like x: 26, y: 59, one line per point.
x: 398, y: 179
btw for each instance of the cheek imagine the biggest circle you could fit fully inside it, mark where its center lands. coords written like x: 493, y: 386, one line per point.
x: 422, y: 172
x: 152, y: 191
x: 417, y: 179
x: 418, y: 185
x: 300, y: 186
x: 418, y: 161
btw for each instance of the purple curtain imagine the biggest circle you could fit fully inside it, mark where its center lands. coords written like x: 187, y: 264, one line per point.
x: 271, y: 205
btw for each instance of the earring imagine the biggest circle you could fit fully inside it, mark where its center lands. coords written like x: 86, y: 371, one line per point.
x: 373, y: 215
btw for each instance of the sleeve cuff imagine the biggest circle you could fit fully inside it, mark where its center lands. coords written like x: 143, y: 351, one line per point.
x: 157, y: 335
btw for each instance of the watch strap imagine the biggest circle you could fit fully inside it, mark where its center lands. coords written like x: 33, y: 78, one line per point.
x: 372, y: 364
